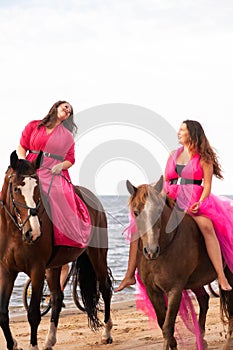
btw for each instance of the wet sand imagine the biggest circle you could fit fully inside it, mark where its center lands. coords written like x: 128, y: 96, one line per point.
x: 131, y: 330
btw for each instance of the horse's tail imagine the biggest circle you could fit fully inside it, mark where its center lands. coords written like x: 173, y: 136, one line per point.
x: 225, y: 305
x: 88, y: 289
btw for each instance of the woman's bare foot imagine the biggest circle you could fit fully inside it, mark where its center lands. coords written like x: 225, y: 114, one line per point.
x: 224, y: 284
x: 127, y: 281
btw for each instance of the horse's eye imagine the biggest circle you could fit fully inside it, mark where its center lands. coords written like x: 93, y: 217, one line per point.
x: 16, y: 189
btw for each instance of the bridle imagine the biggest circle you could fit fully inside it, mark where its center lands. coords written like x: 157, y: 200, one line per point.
x: 164, y: 250
x: 16, y: 217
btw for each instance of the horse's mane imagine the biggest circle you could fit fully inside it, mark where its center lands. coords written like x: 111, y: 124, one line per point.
x: 170, y: 202
x: 24, y: 166
x: 139, y: 198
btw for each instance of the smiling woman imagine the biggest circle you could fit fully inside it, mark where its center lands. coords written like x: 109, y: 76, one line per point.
x: 53, y: 135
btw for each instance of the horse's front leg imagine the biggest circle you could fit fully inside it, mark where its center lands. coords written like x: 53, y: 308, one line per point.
x: 56, y: 297
x: 34, y: 316
x: 158, y: 301
x: 173, y: 304
x: 6, y: 287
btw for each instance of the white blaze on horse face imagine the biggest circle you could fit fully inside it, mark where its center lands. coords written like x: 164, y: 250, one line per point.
x: 28, y: 191
x: 151, y: 239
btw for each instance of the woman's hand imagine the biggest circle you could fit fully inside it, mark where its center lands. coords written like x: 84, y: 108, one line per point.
x: 56, y: 169
x: 194, y: 208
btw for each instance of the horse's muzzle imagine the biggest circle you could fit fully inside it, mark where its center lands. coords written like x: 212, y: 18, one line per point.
x: 151, y: 254
x: 29, y: 238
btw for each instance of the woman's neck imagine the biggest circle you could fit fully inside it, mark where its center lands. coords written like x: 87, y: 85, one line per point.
x: 52, y: 126
x: 189, y: 151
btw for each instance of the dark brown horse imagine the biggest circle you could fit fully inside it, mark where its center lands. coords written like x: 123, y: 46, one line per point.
x: 172, y: 257
x: 26, y: 245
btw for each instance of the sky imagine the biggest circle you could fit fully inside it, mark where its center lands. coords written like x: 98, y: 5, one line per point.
x: 162, y: 59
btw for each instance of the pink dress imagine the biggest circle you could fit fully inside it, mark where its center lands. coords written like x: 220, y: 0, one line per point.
x: 70, y: 217
x: 218, y: 208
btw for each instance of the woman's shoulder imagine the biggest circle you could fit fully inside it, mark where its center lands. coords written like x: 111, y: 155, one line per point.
x: 66, y: 131
x: 176, y: 151
x: 32, y: 124
x: 173, y: 152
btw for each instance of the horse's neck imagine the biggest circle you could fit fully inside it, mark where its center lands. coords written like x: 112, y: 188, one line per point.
x: 169, y: 223
x: 3, y: 197
x: 3, y: 193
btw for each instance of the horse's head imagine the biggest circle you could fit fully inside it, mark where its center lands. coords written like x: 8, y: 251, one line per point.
x: 147, y: 203
x: 21, y: 196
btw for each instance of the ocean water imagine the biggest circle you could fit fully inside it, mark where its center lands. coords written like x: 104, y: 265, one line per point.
x: 117, y: 214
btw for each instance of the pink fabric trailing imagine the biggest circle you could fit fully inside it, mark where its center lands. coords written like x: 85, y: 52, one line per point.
x: 186, y: 312
x: 218, y: 208
x: 131, y: 232
x: 69, y: 214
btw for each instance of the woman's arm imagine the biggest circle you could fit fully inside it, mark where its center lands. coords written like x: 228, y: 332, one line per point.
x: 56, y: 169
x: 21, y: 152
x: 207, y: 177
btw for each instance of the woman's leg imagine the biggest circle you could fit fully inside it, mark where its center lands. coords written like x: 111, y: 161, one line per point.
x: 129, y: 278
x: 213, y: 249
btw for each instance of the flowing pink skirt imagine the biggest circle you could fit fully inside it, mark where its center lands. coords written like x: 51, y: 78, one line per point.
x: 69, y: 214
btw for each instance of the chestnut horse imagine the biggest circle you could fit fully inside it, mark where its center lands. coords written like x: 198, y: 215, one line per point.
x: 172, y: 257
x: 26, y: 245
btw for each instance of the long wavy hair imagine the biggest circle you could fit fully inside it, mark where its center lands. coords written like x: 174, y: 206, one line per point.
x: 50, y: 119
x: 199, y: 143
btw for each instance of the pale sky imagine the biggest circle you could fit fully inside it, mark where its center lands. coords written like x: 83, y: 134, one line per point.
x: 171, y: 57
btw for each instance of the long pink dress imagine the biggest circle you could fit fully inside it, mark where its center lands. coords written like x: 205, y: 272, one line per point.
x: 70, y: 217
x: 218, y: 208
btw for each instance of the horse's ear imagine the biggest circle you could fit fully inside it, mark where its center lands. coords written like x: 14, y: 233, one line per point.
x: 38, y: 160
x: 131, y: 188
x: 159, y: 185
x: 14, y: 160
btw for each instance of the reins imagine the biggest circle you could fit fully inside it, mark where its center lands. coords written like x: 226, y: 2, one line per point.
x: 162, y: 251
x: 174, y: 232
x: 15, y: 204
x: 50, y: 186
x: 114, y: 218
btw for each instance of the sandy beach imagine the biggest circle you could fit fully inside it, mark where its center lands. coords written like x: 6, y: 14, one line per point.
x: 131, y: 330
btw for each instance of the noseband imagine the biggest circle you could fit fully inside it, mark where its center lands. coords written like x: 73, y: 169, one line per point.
x: 19, y: 223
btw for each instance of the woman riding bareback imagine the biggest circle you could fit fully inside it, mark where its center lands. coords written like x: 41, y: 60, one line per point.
x: 187, y: 167
x: 54, y: 135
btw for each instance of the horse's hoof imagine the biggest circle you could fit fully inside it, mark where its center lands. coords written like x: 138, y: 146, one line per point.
x: 107, y: 341
x: 15, y: 346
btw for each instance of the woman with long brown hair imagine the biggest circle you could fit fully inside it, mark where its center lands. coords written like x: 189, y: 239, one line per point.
x: 188, y: 180
x: 54, y: 135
